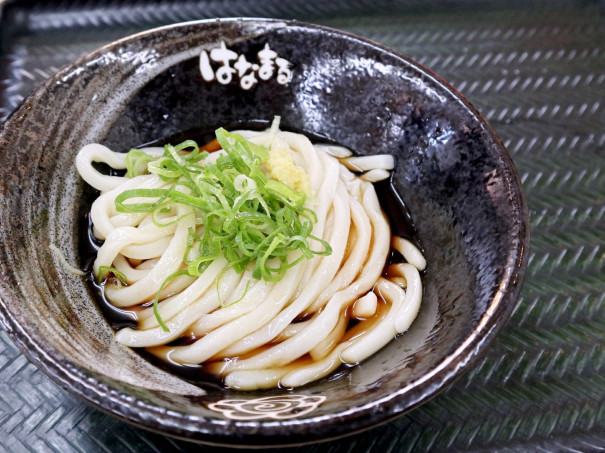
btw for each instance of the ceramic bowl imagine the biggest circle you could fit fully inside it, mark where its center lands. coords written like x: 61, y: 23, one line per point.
x: 458, y: 182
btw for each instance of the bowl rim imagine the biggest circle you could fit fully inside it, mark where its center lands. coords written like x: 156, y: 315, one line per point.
x: 81, y: 383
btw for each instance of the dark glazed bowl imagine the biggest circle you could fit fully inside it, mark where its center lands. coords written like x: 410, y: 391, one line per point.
x: 454, y: 174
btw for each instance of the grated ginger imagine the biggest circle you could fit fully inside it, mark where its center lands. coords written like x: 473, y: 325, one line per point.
x: 281, y: 167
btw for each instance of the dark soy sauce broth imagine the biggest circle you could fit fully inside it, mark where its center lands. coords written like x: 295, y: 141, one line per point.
x: 118, y: 318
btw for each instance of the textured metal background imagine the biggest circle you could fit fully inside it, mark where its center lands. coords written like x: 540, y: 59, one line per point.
x: 537, y: 71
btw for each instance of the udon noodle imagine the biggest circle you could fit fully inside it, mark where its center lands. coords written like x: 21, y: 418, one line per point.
x: 324, y: 311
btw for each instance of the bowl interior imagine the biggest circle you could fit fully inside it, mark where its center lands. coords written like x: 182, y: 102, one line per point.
x: 452, y: 172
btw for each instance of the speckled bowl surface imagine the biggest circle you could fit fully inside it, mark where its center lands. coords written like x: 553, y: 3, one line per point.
x: 454, y: 174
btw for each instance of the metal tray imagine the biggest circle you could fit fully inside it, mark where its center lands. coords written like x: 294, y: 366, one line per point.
x: 537, y: 72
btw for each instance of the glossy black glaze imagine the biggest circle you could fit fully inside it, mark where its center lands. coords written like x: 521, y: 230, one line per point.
x: 452, y: 171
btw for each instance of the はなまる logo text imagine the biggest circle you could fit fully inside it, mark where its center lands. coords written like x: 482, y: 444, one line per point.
x: 222, y: 64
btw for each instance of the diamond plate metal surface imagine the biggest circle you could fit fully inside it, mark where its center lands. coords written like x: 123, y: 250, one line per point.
x: 537, y: 72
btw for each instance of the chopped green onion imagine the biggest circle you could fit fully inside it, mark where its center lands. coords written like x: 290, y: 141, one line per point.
x: 104, y: 272
x: 156, y: 312
x: 240, y: 212
x: 136, y: 163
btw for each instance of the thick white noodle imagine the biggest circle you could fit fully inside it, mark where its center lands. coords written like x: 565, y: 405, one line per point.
x: 293, y: 348
x: 290, y: 332
x: 335, y: 151
x: 179, y: 322
x: 365, y: 306
x: 99, y: 153
x: 368, y: 163
x: 220, y: 338
x: 378, y: 174
x: 409, y: 252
